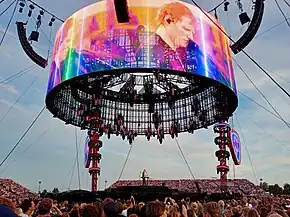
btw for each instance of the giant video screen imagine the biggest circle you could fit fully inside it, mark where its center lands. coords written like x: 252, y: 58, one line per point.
x: 169, y: 35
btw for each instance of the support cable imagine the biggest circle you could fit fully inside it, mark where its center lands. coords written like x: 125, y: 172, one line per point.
x: 185, y: 160
x: 282, y: 12
x: 16, y: 75
x: 20, y: 97
x: 287, y: 3
x: 261, y: 106
x: 270, y: 134
x: 71, y: 172
x: 33, y: 143
x: 272, y: 27
x: 264, y: 97
x: 9, y: 23
x: 125, y: 163
x: 42, y: 8
x: 246, y: 147
x: 22, y: 137
x: 242, y: 50
x: 77, y: 157
x: 6, y: 9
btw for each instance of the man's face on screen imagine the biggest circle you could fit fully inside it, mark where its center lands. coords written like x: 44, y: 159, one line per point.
x: 182, y: 32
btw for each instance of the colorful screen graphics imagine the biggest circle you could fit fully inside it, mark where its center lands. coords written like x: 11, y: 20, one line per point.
x: 235, y: 147
x: 86, y: 151
x: 168, y: 35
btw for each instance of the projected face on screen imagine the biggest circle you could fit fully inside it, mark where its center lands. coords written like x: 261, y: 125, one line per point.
x: 175, y: 24
x: 160, y: 35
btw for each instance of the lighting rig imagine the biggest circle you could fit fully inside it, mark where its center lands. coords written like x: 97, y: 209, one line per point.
x: 255, y: 22
x: 26, y: 42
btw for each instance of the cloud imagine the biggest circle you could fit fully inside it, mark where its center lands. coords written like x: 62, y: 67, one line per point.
x: 9, y: 88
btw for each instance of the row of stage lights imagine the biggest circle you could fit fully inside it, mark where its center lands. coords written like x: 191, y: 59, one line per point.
x: 243, y: 16
x: 34, y: 36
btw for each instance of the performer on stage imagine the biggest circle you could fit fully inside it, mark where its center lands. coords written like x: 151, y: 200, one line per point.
x: 144, y: 177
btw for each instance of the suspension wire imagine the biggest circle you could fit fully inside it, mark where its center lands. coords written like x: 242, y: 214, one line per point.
x: 258, y: 104
x: 277, y: 140
x: 71, y: 172
x: 246, y: 147
x: 22, y: 137
x: 42, y: 8
x: 271, y: 28
x: 20, y: 97
x: 287, y: 3
x: 77, y: 157
x: 9, y: 23
x: 6, y: 9
x: 216, y: 7
x: 17, y: 75
x: 33, y: 143
x: 47, y: 37
x: 243, y: 51
x: 282, y: 13
x: 185, y: 160
x: 264, y: 97
x: 124, y: 165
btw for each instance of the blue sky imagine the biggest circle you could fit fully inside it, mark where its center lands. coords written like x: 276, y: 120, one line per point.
x: 51, y: 158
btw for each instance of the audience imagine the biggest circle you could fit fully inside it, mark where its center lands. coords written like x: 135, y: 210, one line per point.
x: 29, y: 205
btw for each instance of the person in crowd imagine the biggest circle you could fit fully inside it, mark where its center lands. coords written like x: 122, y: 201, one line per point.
x: 27, y: 207
x: 155, y: 209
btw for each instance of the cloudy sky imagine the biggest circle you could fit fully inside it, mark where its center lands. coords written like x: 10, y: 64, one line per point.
x: 48, y: 152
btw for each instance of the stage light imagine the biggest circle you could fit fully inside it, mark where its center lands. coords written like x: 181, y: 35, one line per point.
x: 226, y: 6
x: 31, y: 8
x: 121, y: 9
x: 21, y: 4
x: 244, y: 18
x: 34, y: 36
x: 51, y: 21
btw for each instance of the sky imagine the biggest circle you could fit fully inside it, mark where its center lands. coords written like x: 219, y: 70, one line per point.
x: 47, y: 153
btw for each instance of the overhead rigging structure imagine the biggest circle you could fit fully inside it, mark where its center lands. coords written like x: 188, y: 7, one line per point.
x: 26, y: 42
x: 254, y: 23
x: 249, y: 34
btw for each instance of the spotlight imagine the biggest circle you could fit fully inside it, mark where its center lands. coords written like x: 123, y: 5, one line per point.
x: 31, y: 8
x: 34, y: 36
x: 51, y: 21
x: 244, y: 18
x: 21, y: 4
x: 226, y: 6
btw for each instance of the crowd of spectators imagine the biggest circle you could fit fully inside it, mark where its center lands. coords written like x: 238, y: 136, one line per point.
x: 18, y: 201
x: 209, y: 186
x: 14, y: 191
x: 245, y: 207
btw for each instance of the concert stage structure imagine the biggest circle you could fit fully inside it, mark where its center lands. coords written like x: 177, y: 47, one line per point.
x: 115, y: 71
x: 160, y: 189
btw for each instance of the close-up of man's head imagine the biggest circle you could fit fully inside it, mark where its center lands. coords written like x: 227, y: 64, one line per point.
x: 178, y: 22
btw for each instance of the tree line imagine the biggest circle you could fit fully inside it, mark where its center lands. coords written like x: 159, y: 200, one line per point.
x: 275, y: 189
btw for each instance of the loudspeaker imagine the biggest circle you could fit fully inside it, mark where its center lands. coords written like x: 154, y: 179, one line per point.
x: 121, y: 9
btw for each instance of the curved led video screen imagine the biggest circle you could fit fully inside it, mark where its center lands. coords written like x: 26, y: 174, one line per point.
x: 235, y: 147
x: 160, y: 34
